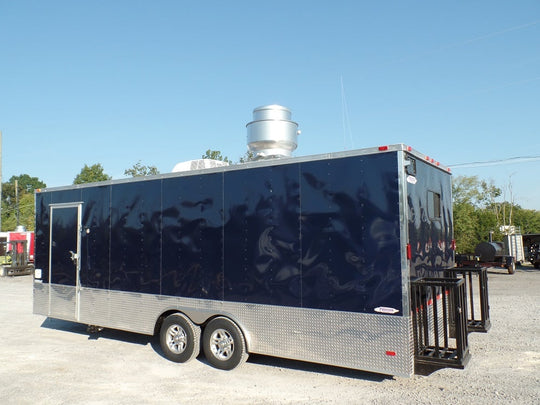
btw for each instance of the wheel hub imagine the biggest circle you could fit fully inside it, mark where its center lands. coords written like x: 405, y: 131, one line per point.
x: 176, y: 339
x: 222, y: 344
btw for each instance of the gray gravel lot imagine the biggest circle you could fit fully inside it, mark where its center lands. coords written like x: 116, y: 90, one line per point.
x: 49, y: 361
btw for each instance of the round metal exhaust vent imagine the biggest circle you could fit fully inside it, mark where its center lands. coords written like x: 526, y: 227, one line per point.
x: 272, y: 133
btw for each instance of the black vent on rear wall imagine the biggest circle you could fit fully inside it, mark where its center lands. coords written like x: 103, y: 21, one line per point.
x: 411, y: 167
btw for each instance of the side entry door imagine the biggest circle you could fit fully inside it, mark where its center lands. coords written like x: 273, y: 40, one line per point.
x: 64, y: 263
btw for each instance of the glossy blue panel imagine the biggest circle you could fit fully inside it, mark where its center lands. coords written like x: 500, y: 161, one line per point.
x: 65, y: 238
x: 350, y: 234
x: 320, y: 234
x: 430, y: 230
x: 65, y: 196
x: 95, y: 237
x: 136, y: 237
x: 262, y: 235
x: 41, y: 234
x: 193, y: 236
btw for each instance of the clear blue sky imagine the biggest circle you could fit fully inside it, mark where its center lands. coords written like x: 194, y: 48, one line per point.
x: 115, y: 82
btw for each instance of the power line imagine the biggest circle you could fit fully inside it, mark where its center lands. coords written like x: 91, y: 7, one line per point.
x: 492, y: 34
x: 517, y: 159
x: 468, y: 41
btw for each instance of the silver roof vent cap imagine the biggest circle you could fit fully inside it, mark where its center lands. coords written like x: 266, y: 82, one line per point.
x: 272, y: 134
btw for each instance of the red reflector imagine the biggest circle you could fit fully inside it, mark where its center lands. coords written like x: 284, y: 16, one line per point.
x: 409, y: 252
x: 438, y: 164
x: 409, y: 148
x: 453, y: 244
x: 390, y: 353
x: 427, y: 158
x: 383, y: 148
x: 449, y: 169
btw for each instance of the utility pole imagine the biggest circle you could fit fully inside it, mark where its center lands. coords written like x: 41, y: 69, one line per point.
x: 17, y: 201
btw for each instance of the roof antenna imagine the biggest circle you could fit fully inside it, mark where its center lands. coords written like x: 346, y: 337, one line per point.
x: 345, y: 119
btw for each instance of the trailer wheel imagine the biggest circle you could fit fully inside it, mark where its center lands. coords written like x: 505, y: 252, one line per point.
x: 512, y: 268
x: 179, y: 338
x: 223, y: 344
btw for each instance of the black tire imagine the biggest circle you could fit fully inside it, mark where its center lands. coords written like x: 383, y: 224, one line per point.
x: 223, y: 344
x: 512, y: 268
x: 179, y: 338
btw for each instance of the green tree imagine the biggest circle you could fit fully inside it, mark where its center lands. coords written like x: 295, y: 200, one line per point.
x: 486, y: 222
x: 27, y: 183
x: 527, y: 220
x: 247, y: 157
x: 139, y: 170
x: 18, y: 202
x: 477, y: 212
x: 216, y: 155
x: 25, y: 210
x: 471, y: 190
x: 90, y: 174
x: 465, y: 227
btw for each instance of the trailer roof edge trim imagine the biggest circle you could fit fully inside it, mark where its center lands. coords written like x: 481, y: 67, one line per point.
x: 262, y: 163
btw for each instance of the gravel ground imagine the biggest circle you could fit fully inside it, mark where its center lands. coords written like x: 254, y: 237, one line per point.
x: 49, y: 361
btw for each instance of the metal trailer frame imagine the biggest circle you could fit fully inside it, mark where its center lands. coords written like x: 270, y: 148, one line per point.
x: 311, y: 258
x: 500, y: 261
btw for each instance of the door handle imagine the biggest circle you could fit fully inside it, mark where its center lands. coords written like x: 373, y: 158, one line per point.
x: 74, y: 256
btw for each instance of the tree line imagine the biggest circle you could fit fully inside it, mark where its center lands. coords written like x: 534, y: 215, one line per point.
x: 18, y: 192
x: 476, y: 202
x: 477, y: 212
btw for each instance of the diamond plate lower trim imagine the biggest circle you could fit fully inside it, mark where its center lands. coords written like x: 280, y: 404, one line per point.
x: 371, y: 342
x: 62, y: 302
x: 41, y: 299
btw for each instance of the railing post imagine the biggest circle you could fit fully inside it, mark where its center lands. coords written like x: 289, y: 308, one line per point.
x: 473, y: 324
x: 430, y: 320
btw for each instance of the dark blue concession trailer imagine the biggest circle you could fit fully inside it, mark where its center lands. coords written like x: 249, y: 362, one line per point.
x: 337, y: 259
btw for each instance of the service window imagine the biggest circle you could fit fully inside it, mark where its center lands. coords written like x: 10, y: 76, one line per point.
x: 434, y: 205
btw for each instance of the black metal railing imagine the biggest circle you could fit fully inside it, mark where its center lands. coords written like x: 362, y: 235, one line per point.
x: 476, y: 282
x: 439, y: 308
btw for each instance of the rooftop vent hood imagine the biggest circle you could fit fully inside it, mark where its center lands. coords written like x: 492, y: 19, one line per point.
x: 272, y: 134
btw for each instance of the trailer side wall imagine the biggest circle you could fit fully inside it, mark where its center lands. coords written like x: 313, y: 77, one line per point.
x: 430, y: 226
x: 322, y: 235
x: 296, y: 253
